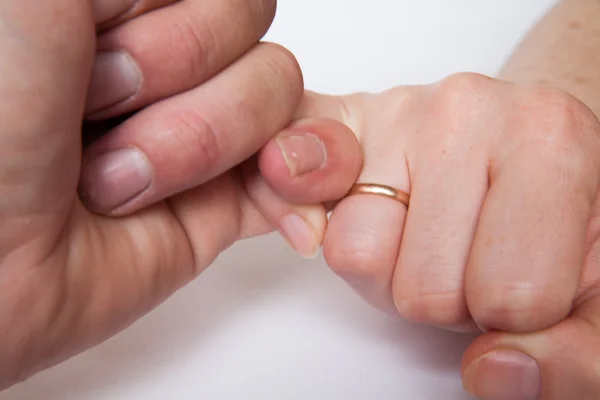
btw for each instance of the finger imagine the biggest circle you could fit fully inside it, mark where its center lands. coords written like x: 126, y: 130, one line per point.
x: 449, y: 182
x: 361, y: 245
x: 302, y: 226
x: 312, y: 161
x: 553, y: 364
x: 171, y: 50
x: 46, y: 75
x: 109, y: 13
x: 364, y: 232
x: 189, y: 139
x: 525, y: 265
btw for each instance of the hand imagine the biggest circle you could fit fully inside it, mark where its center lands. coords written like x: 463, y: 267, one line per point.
x: 69, y: 278
x: 501, y: 232
x: 204, y: 84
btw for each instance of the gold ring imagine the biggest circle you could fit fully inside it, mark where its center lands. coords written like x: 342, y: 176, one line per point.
x: 380, y: 190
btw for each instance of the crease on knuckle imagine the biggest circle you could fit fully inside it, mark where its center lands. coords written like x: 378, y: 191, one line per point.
x: 462, y: 89
x: 553, y: 117
x: 283, y: 73
x: 353, y: 260
x: 519, y: 307
x: 197, y: 140
x: 200, y: 46
x: 454, y: 105
x: 559, y: 128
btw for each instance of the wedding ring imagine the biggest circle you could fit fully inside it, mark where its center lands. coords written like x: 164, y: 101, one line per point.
x: 380, y: 190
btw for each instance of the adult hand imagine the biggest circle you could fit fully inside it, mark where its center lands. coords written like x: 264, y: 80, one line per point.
x: 211, y: 95
x: 70, y: 278
x: 501, y: 232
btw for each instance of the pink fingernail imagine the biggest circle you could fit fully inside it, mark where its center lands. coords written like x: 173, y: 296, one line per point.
x: 115, y: 178
x: 299, y: 235
x: 504, y: 375
x: 302, y: 153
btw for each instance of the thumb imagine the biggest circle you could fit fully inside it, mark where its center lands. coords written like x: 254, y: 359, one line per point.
x: 46, y: 54
x: 555, y: 364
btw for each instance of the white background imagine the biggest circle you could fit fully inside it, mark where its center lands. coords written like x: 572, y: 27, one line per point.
x: 263, y: 324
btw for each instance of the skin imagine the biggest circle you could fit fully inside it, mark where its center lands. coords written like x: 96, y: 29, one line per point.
x: 476, y: 268
x: 186, y: 136
x: 502, y: 231
x: 561, y: 52
x: 70, y: 277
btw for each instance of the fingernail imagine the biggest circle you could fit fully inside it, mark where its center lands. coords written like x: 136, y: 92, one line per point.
x: 115, y: 178
x: 464, y: 327
x: 299, y: 235
x: 504, y: 375
x: 481, y: 327
x: 302, y: 153
x: 105, y: 11
x: 115, y: 78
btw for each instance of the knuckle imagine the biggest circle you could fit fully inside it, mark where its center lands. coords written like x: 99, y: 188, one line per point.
x: 440, y: 309
x: 519, y: 308
x: 470, y: 81
x: 429, y: 288
x: 281, y: 61
x: 395, y: 104
x: 455, y: 103
x: 353, y: 259
x: 284, y: 72
x: 198, y: 42
x: 553, y: 117
x: 195, y: 141
x: 462, y: 89
x: 561, y: 129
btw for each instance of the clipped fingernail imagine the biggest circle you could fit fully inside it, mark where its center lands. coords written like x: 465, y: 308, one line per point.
x: 299, y: 234
x: 115, y: 178
x: 302, y: 153
x: 115, y: 78
x: 504, y: 375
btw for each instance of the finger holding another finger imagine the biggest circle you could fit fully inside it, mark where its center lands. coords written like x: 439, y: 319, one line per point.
x: 302, y: 226
x: 191, y: 138
x: 364, y: 232
x: 309, y: 163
